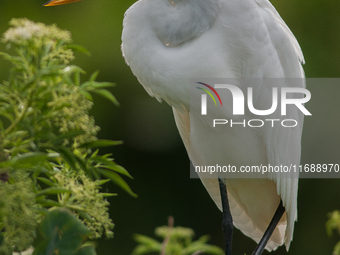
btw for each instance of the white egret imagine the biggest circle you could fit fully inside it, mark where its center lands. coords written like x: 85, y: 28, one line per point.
x: 168, y: 42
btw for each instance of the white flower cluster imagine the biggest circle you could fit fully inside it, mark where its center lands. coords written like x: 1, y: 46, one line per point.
x: 24, y: 30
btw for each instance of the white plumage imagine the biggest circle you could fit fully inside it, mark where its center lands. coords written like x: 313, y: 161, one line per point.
x: 168, y: 42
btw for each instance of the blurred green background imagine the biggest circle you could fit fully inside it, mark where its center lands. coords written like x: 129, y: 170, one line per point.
x: 153, y: 152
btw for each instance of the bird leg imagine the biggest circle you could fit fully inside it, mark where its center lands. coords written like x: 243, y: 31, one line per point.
x: 272, y: 225
x: 227, y: 223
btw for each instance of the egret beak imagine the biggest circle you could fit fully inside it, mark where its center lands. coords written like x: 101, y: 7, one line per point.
x: 59, y: 2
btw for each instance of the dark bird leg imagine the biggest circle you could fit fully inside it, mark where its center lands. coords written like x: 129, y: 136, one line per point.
x: 227, y: 223
x: 272, y: 225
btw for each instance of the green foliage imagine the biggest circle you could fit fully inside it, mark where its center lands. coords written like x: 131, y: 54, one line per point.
x: 83, y: 198
x: 176, y: 241
x: 18, y: 212
x: 48, y: 163
x: 333, y: 223
x: 62, y: 233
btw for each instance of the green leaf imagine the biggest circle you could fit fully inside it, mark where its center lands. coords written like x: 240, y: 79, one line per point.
x: 94, y: 173
x: 107, y: 163
x: 145, y: 240
x: 47, y: 72
x: 72, y: 69
x: 6, y: 56
x: 52, y: 191
x: 100, y: 143
x: 118, y: 169
x: 75, y: 207
x: 109, y: 194
x: 78, y: 48
x: 30, y: 158
x: 102, y: 182
x: 94, y: 85
x: 107, y: 94
x: 48, y: 203
x: 94, y: 154
x: 66, y: 222
x: 47, y: 181
x: 16, y: 135
x: 63, y: 233
x: 81, y: 162
x: 148, y: 245
x: 85, y: 215
x: 68, y: 156
x: 47, y: 246
x: 86, y: 250
x: 87, y: 95
x: 94, y: 76
x: 67, y: 79
x: 115, y: 178
x: 69, y: 135
x: 6, y: 115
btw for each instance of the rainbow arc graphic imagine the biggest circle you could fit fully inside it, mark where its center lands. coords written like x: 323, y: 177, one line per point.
x: 204, y: 97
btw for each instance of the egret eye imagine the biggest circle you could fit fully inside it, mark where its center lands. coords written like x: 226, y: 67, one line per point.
x: 59, y: 2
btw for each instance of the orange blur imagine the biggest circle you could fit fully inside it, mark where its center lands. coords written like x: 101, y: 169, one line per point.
x: 59, y: 2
